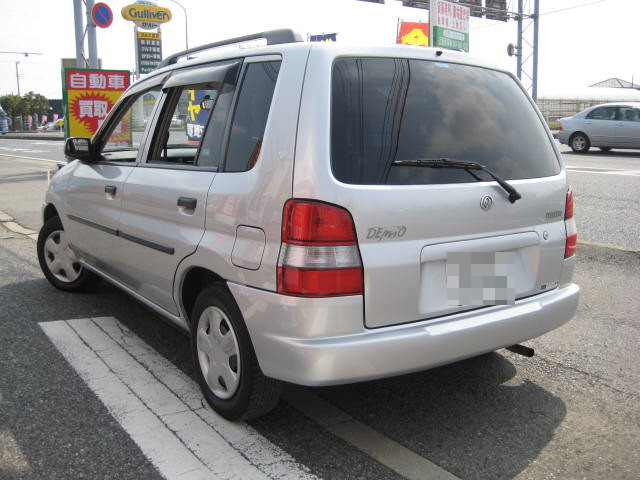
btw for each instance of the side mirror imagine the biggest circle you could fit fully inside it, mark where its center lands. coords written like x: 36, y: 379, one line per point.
x: 208, y: 102
x: 78, y: 148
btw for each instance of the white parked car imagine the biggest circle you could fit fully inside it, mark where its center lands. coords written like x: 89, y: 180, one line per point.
x: 339, y: 214
x: 607, y: 126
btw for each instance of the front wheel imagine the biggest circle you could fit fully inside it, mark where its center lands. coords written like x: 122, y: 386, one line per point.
x: 579, y: 143
x: 225, y: 363
x: 58, y: 261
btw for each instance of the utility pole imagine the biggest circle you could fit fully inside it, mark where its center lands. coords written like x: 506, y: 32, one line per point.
x: 91, y: 36
x: 186, y: 24
x: 18, y: 77
x: 536, y: 21
x: 81, y: 62
x: 26, y: 54
x: 519, y: 45
x: 79, y: 29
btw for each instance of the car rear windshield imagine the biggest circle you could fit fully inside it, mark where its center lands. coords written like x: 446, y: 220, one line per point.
x: 388, y: 109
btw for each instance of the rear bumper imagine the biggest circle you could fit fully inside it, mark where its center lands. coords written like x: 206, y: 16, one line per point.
x: 562, y: 136
x: 323, y: 341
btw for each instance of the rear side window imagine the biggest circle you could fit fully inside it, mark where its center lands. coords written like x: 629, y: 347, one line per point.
x: 603, y: 113
x: 386, y: 109
x: 250, y: 117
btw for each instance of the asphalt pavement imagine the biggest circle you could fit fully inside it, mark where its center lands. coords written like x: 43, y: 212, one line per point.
x: 570, y: 412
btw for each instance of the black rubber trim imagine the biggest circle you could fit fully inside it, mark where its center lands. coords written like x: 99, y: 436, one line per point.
x: 90, y: 223
x: 127, y: 236
x: 147, y: 243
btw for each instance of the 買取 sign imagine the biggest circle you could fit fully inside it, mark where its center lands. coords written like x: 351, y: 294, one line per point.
x: 88, y: 97
x: 449, y: 25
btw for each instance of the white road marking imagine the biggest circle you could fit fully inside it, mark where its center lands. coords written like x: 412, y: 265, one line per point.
x: 386, y: 451
x: 12, y: 460
x: 17, y: 228
x: 34, y: 158
x: 161, y: 408
x: 605, y: 171
x: 23, y: 150
x: 5, y: 217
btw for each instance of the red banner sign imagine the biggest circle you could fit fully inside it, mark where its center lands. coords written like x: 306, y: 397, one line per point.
x: 89, y: 95
x: 414, y: 33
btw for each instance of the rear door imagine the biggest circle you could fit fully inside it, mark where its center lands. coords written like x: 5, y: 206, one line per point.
x: 435, y: 241
x: 600, y: 125
x: 163, y: 210
x: 628, y: 128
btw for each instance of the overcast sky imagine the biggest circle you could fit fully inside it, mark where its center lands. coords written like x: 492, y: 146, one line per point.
x: 578, y: 46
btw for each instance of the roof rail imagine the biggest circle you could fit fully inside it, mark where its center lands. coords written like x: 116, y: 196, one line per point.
x: 273, y: 37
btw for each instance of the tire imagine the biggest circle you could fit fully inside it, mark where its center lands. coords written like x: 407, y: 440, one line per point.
x: 224, y: 360
x: 579, y: 143
x: 605, y: 149
x: 58, y: 262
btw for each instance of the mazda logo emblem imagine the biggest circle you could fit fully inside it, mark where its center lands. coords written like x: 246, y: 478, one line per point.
x: 486, y: 202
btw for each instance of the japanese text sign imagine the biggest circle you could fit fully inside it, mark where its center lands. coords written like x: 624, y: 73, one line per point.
x: 89, y: 95
x: 148, y: 51
x: 450, y: 24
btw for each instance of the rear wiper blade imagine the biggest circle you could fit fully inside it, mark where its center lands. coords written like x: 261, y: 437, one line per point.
x: 462, y: 164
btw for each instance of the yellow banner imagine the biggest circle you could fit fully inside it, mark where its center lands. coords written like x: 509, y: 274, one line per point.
x: 90, y: 95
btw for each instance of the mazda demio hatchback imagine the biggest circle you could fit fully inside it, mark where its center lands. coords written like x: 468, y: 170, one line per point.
x: 320, y: 214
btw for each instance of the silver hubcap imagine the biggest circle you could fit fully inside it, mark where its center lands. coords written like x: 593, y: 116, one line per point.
x: 218, y: 352
x: 60, y: 259
x: 579, y: 143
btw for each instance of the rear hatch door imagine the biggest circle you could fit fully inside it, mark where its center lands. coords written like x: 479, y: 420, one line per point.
x: 436, y: 241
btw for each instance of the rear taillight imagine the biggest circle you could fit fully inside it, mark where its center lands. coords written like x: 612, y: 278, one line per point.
x: 319, y: 256
x: 570, y: 225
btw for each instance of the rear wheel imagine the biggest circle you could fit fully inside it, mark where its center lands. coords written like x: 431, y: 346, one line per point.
x: 579, y: 143
x: 225, y: 363
x: 58, y: 261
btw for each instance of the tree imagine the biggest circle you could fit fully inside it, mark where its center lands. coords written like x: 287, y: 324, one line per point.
x: 36, y: 104
x: 13, y: 105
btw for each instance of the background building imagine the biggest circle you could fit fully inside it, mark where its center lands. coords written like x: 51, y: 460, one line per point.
x: 555, y: 105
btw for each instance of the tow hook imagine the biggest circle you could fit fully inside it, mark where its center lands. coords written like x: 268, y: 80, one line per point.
x: 522, y: 350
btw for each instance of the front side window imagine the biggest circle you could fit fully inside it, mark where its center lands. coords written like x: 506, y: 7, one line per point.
x: 387, y: 109
x: 603, y: 113
x: 124, y: 135
x: 629, y: 114
x: 250, y: 117
x: 185, y: 118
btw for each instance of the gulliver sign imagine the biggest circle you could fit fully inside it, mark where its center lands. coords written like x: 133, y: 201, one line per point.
x: 146, y: 16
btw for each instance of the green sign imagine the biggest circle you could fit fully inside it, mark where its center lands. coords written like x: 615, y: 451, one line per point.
x: 448, y: 38
x: 449, y: 25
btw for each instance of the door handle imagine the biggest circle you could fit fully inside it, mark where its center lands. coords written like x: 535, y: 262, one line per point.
x: 188, y: 203
x: 110, y: 189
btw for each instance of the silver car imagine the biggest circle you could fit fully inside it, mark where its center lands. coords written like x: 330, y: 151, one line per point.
x: 607, y: 126
x: 326, y: 214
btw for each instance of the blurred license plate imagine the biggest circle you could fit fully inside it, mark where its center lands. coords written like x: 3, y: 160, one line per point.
x: 480, y: 278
